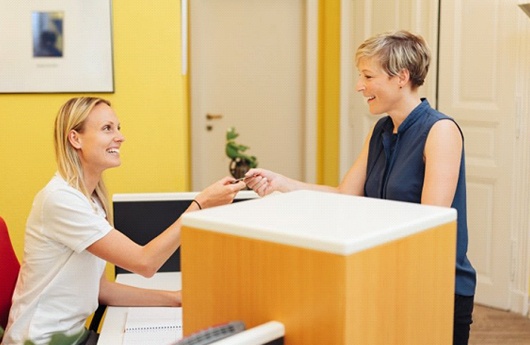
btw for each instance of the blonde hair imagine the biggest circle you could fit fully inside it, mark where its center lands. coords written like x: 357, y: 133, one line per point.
x: 398, y: 50
x: 72, y: 116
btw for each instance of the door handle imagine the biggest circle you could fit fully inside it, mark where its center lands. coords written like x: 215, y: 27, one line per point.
x: 214, y: 116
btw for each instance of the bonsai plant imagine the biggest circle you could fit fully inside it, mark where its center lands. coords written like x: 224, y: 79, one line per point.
x: 240, y: 162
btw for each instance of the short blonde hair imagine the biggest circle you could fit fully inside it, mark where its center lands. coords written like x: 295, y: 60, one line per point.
x: 396, y: 51
x: 72, y: 116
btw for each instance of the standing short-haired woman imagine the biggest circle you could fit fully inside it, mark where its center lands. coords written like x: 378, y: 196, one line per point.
x: 414, y: 154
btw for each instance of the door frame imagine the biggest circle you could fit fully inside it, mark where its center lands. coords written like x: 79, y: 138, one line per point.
x: 520, y: 271
x: 520, y: 221
x: 311, y: 91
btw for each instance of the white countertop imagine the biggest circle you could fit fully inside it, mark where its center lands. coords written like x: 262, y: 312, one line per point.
x: 121, y: 197
x: 327, y: 222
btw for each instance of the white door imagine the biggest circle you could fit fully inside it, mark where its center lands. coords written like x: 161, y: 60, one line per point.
x: 478, y: 87
x: 477, y: 76
x: 253, y: 67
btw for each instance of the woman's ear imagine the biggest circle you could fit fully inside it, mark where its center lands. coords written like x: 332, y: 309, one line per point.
x: 74, y: 139
x: 404, y: 77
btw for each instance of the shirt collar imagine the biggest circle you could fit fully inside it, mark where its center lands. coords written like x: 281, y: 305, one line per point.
x: 415, y: 114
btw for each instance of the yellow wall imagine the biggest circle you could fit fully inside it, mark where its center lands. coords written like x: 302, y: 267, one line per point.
x: 150, y: 99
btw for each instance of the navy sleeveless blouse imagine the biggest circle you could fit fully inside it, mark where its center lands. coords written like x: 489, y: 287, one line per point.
x: 396, y: 170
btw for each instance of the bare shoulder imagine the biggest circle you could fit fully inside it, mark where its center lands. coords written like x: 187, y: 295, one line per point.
x: 445, y: 130
x: 444, y: 138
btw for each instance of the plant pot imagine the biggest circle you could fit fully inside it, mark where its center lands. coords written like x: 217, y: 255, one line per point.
x: 238, y: 167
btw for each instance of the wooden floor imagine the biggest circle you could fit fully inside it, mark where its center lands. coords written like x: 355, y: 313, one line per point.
x: 496, y: 327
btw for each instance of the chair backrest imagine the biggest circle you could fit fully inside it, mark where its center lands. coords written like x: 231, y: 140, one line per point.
x: 9, y: 268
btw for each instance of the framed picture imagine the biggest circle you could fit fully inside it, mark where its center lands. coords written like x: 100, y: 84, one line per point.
x: 55, y: 46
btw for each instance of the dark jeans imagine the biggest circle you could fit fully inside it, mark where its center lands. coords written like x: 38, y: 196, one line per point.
x: 462, y: 319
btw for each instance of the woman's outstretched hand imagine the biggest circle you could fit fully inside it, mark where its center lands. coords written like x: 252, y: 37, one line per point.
x: 219, y: 193
x: 264, y: 182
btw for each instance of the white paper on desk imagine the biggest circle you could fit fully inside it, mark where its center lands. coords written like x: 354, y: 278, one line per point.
x: 153, y: 325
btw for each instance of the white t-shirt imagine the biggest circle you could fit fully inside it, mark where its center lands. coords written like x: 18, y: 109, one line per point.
x: 58, y: 284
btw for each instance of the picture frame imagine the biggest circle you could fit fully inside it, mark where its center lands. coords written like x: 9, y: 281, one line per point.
x: 56, y: 46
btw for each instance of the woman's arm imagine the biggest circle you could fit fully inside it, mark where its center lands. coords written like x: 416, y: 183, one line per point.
x: 443, y: 153
x: 354, y: 180
x: 116, y: 294
x: 146, y: 260
x: 264, y: 182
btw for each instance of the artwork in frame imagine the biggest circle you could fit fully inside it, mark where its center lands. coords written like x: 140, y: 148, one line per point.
x: 56, y: 46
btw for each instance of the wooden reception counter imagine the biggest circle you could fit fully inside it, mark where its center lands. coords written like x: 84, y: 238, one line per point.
x: 334, y: 269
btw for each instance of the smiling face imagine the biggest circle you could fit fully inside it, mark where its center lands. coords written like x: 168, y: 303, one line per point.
x: 380, y: 89
x: 98, y: 143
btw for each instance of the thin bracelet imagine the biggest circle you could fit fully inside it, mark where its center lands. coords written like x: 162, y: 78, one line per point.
x: 195, y: 201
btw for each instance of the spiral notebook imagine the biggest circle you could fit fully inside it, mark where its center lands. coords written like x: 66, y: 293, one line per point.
x: 147, y: 324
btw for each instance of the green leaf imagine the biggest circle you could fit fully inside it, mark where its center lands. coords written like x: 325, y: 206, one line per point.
x: 231, y: 150
x: 235, y: 151
x: 61, y: 339
x: 231, y: 134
